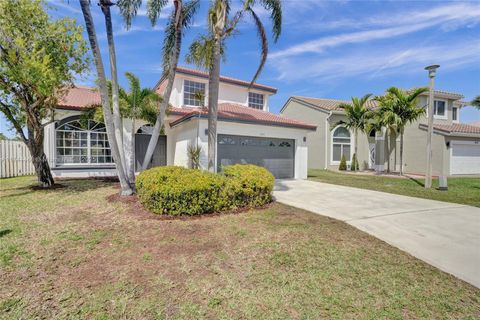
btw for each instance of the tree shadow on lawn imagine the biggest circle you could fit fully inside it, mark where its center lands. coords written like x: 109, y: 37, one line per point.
x: 5, y: 232
x: 421, y: 184
x: 62, y: 186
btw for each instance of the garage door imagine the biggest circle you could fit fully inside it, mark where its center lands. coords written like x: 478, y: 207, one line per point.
x: 277, y: 155
x: 465, y: 158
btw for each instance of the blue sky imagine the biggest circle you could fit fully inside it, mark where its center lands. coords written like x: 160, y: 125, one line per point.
x: 328, y: 49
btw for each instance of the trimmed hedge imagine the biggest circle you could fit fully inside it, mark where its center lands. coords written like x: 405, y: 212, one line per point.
x: 178, y: 190
x: 248, y: 185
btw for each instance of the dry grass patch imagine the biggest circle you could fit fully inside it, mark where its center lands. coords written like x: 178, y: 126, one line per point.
x: 71, y: 253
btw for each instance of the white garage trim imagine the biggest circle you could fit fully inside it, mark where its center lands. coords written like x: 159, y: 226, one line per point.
x: 464, y: 157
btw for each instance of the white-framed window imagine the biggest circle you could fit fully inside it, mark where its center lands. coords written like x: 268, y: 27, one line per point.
x: 440, y: 109
x: 255, y: 100
x: 341, y: 144
x: 454, y: 114
x: 192, y: 91
x: 82, y: 143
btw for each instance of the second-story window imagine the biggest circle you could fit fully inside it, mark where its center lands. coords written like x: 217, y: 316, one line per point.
x: 454, y: 114
x: 439, y: 108
x: 193, y: 93
x: 255, y: 100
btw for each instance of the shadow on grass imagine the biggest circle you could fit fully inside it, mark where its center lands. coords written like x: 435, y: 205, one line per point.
x: 5, y: 232
x: 421, y: 184
x: 63, y: 186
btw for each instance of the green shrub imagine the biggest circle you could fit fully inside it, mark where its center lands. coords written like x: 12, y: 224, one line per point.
x: 343, y: 164
x: 177, y: 190
x: 248, y: 185
x: 354, y: 166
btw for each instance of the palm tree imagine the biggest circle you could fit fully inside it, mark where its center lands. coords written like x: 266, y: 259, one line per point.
x: 399, y: 108
x: 137, y: 103
x: 476, y: 102
x: 117, y: 120
x: 180, y: 18
x: 207, y: 52
x: 105, y: 98
x: 358, y: 117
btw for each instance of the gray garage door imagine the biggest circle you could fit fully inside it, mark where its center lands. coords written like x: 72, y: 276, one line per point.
x: 277, y: 155
x: 159, y: 157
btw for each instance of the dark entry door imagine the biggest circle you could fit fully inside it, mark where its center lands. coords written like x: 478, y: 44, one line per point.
x: 159, y: 157
x: 277, y: 155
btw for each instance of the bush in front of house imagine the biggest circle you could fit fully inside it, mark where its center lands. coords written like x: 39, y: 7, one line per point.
x: 178, y: 190
x: 248, y: 185
x: 354, y: 166
x: 343, y: 163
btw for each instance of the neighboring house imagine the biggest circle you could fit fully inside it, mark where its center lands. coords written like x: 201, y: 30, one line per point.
x: 247, y: 132
x: 456, y: 147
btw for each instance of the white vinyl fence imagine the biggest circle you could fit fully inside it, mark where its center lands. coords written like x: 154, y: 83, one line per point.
x: 15, y: 159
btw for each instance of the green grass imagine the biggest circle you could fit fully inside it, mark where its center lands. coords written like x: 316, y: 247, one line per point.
x: 460, y: 190
x: 70, y: 253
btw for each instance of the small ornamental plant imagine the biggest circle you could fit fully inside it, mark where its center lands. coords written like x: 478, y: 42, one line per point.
x: 180, y: 191
x: 354, y: 166
x: 343, y: 164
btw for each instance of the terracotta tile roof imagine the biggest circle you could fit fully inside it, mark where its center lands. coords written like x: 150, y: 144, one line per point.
x: 455, y: 128
x: 236, y: 112
x: 160, y: 85
x: 331, y: 104
x: 443, y: 93
x: 79, y: 97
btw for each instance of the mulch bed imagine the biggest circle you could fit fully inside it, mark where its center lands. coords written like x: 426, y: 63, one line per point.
x: 136, y: 208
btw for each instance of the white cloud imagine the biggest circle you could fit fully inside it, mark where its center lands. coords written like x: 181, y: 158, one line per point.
x: 379, y: 62
x: 447, y: 17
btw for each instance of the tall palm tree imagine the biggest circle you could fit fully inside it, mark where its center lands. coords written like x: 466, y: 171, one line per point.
x: 358, y: 117
x: 126, y: 189
x: 476, y: 102
x: 138, y: 103
x: 207, y: 51
x: 117, y: 120
x: 399, y: 108
x: 180, y: 18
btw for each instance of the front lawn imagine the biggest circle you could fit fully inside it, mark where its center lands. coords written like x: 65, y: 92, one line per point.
x: 460, y: 190
x: 72, y: 253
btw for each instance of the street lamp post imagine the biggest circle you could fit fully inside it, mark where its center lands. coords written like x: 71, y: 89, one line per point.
x: 428, y: 175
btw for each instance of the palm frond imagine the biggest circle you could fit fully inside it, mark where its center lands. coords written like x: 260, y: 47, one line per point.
x: 129, y: 9
x: 200, y: 52
x: 275, y: 9
x: 154, y: 8
x: 188, y: 11
x: 476, y: 102
x: 263, y: 41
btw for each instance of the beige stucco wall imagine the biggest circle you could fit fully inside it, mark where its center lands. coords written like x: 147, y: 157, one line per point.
x: 319, y: 142
x: 315, y: 139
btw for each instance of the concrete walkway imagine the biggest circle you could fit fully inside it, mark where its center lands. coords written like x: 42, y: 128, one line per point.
x: 445, y: 235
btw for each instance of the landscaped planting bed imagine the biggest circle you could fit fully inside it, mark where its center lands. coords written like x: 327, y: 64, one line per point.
x: 177, y: 190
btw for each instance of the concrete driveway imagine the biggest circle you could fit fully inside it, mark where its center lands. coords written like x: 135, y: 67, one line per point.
x: 445, y: 235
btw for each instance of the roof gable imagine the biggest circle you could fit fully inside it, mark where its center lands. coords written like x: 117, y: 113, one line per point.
x: 161, y: 84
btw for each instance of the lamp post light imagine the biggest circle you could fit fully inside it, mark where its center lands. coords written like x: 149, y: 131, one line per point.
x: 431, y: 74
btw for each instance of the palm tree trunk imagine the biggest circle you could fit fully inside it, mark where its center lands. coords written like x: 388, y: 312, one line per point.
x: 401, y: 152
x: 107, y: 114
x: 131, y: 157
x: 117, y: 120
x: 213, y: 88
x: 356, y: 149
x: 173, y: 61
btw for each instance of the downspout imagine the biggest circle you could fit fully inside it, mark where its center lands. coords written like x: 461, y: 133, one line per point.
x: 326, y: 139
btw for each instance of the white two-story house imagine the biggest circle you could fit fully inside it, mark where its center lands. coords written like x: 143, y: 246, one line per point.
x: 247, y: 131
